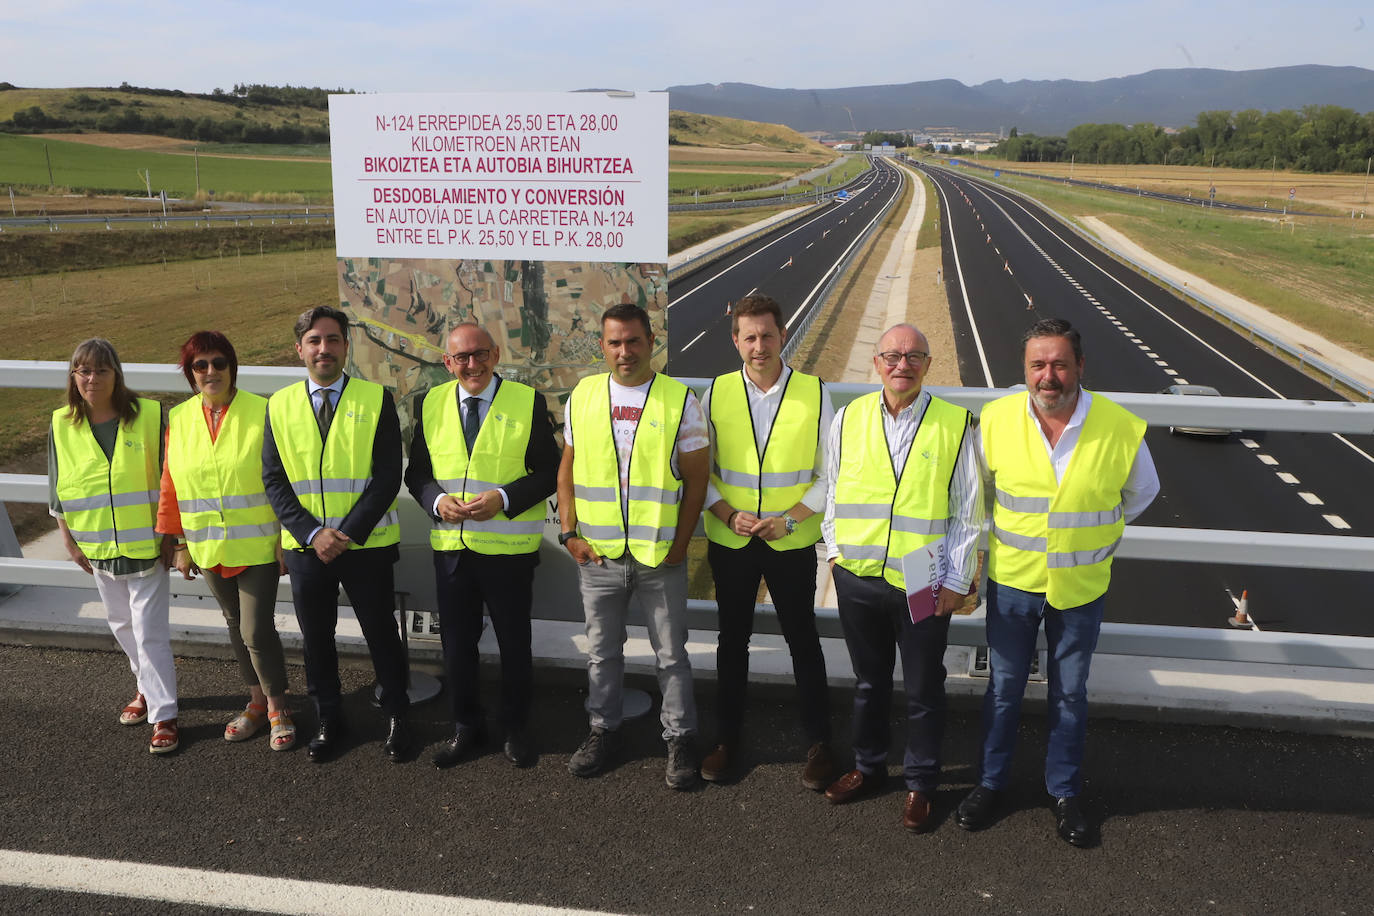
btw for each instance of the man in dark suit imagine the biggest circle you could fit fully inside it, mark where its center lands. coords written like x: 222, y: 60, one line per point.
x: 331, y: 463
x: 482, y: 462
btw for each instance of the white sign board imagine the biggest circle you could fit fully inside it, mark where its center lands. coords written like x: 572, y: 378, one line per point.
x: 548, y: 176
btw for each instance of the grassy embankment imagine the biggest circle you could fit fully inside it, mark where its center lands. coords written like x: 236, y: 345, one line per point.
x: 1312, y: 270
x: 85, y: 106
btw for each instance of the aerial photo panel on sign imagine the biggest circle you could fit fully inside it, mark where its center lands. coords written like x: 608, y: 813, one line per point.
x: 528, y: 213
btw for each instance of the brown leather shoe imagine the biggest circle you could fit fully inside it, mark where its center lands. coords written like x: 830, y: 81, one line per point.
x: 716, y: 766
x: 819, y: 771
x: 854, y: 784
x: 916, y: 812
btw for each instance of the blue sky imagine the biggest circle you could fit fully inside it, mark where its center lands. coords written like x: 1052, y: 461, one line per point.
x: 422, y: 45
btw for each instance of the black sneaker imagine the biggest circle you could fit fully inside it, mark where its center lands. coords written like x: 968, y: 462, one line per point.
x: 595, y: 753
x: 681, y: 772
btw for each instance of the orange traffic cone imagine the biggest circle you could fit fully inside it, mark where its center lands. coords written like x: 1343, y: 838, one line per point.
x: 1242, y: 618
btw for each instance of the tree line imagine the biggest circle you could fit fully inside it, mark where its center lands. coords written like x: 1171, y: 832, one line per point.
x: 1319, y: 138
x: 110, y: 114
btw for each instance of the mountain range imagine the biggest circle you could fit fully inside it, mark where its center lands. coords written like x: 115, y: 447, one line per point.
x: 1169, y: 98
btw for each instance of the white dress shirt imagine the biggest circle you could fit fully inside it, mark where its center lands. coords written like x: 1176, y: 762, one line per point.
x: 483, y: 399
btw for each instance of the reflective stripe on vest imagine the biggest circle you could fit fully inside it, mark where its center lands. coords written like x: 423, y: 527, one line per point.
x: 788, y: 463
x: 110, y: 504
x: 654, y: 492
x: 498, y: 458
x: 878, y: 520
x: 224, y: 509
x: 1051, y: 537
x: 328, y: 477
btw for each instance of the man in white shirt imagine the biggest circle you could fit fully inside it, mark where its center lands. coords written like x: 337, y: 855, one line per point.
x: 1069, y: 468
x: 903, y: 473
x: 630, y: 489
x: 767, y: 493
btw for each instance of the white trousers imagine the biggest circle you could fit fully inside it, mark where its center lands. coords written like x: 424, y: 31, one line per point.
x: 137, y: 609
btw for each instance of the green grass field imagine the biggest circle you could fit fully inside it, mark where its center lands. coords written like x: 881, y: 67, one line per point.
x: 83, y: 167
x: 681, y: 183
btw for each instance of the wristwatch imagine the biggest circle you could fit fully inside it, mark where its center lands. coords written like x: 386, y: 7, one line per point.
x: 790, y: 522
x: 566, y: 536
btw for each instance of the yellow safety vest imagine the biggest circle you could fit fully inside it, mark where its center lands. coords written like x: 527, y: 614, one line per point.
x: 224, y: 509
x: 328, y: 477
x: 788, y: 462
x: 1051, y: 537
x: 498, y: 458
x: 878, y: 519
x: 655, y: 491
x: 110, y: 504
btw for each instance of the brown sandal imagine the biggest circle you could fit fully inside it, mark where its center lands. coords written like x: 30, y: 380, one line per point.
x: 136, y: 712
x: 165, y: 738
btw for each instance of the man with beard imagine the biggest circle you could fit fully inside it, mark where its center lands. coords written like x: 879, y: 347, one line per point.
x: 1069, y: 468
x: 331, y: 465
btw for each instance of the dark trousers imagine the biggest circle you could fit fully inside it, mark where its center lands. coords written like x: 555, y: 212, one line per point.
x: 368, y: 578
x: 791, y: 578
x: 876, y: 624
x: 505, y: 584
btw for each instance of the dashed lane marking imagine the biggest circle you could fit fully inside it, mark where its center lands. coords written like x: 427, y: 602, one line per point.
x: 1249, y: 443
x: 1312, y: 499
x: 1268, y: 459
x: 1335, y: 521
x: 1287, y: 477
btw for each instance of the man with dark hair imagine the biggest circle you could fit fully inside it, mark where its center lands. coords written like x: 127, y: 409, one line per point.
x: 331, y: 465
x: 1069, y: 469
x: 904, y: 473
x: 630, y: 491
x: 482, y: 461
x: 768, y: 426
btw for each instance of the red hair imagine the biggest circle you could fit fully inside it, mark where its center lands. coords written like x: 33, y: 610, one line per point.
x: 207, y: 342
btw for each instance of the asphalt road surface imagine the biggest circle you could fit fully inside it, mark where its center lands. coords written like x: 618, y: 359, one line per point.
x: 1194, y: 819
x: 1008, y: 263
x: 791, y: 265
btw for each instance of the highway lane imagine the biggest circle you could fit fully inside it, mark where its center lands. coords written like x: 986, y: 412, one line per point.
x: 1019, y: 264
x: 791, y: 265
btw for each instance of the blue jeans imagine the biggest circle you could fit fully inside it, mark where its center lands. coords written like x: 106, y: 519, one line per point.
x: 1071, y: 635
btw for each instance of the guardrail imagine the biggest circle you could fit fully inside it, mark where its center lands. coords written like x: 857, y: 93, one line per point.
x: 720, y: 251
x: 1186, y: 545
x: 1305, y: 361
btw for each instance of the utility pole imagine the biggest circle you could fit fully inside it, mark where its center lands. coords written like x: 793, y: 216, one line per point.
x: 51, y: 183
x: 1365, y: 198
x: 1273, y: 167
x: 196, y: 149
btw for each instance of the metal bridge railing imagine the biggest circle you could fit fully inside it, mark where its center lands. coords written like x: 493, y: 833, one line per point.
x: 1184, y: 545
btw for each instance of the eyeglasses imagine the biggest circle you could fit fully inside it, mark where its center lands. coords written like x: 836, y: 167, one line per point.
x: 203, y: 365
x: 892, y: 357
x: 87, y: 374
x: 463, y: 359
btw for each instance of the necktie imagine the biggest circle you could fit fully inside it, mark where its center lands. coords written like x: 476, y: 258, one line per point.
x: 471, y: 421
x: 324, y: 411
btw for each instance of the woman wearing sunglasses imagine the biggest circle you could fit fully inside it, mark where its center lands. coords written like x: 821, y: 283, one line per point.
x: 213, y: 501
x: 104, y: 455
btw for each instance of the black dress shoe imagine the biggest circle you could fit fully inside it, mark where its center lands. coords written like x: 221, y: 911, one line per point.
x: 463, y: 743
x: 397, y: 743
x: 518, y: 749
x: 978, y: 808
x: 327, y: 739
x: 1071, y: 822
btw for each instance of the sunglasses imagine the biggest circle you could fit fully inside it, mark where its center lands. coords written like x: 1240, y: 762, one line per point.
x: 203, y: 365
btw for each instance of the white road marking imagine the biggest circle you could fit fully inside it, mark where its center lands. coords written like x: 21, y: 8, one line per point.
x: 259, y: 893
x: 1180, y: 381
x: 1161, y: 362
x: 694, y: 340
x: 1166, y: 372
x: 1312, y: 499
x: 1151, y: 355
x: 1268, y: 459
x: 1249, y: 443
x: 1337, y: 522
x: 1287, y: 477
